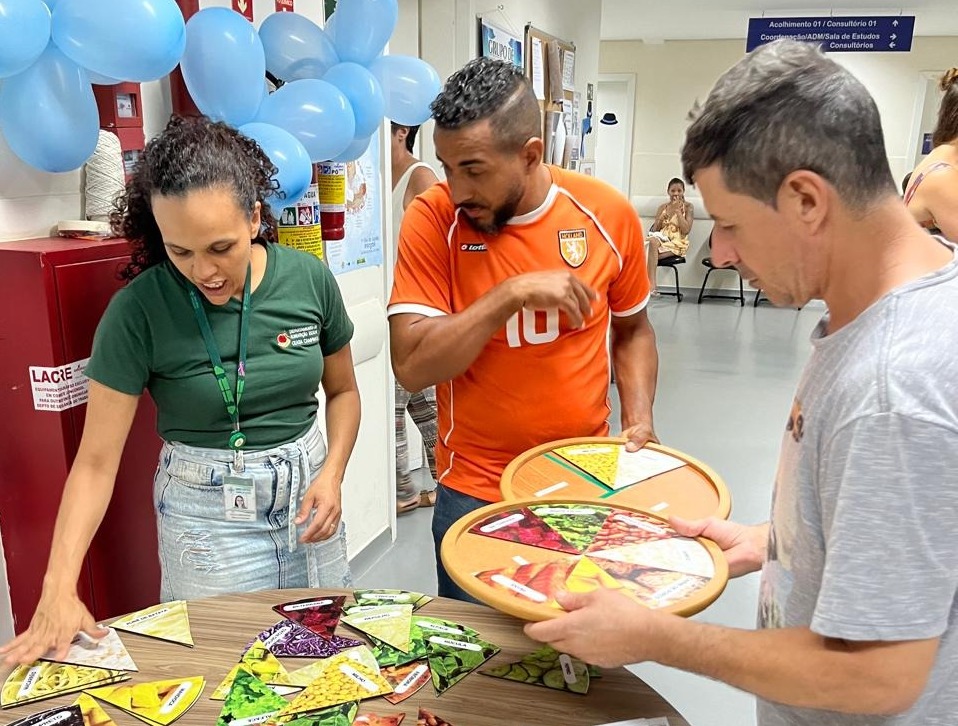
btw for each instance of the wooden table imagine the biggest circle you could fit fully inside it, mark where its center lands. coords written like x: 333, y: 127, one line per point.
x: 692, y: 491
x: 222, y: 626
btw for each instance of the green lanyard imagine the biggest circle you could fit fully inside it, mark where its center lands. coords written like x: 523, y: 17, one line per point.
x: 237, y: 439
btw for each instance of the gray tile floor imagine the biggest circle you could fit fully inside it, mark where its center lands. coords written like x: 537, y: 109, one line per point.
x: 726, y: 379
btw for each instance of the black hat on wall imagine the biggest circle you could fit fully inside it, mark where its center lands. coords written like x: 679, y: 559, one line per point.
x: 608, y: 119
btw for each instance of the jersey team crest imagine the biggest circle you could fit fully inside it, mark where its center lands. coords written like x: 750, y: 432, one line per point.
x: 573, y: 246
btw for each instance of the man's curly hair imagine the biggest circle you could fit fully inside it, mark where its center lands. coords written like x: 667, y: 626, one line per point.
x: 191, y: 153
x: 486, y: 88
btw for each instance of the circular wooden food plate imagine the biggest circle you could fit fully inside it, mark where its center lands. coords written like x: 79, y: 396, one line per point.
x: 514, y: 556
x: 692, y: 490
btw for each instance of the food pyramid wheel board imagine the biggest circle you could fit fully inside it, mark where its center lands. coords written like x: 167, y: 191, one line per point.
x: 613, y: 547
x: 167, y: 621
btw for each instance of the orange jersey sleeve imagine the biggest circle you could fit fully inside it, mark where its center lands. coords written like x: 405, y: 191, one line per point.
x: 422, y: 283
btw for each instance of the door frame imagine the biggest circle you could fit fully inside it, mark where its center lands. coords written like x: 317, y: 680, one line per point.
x: 627, y: 122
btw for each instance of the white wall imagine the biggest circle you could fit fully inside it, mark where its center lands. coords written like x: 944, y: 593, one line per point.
x: 670, y: 76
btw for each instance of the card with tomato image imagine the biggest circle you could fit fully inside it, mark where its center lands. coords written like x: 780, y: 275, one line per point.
x: 406, y: 679
x: 524, y: 527
x: 318, y: 614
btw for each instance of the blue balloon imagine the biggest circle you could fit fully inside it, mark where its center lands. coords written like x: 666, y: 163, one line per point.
x: 224, y: 65
x: 409, y: 86
x: 24, y: 34
x: 364, y: 94
x: 102, y: 80
x: 315, y: 112
x: 131, y: 40
x: 294, y: 169
x: 330, y: 27
x: 296, y: 48
x: 48, y: 113
x: 363, y: 28
x: 356, y: 149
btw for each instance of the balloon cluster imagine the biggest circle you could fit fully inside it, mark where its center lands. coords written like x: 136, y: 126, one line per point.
x: 335, y: 85
x: 50, y: 53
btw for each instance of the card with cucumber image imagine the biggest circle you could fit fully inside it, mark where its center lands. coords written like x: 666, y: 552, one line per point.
x: 249, y: 701
x: 343, y: 680
x: 546, y: 667
x: 452, y: 659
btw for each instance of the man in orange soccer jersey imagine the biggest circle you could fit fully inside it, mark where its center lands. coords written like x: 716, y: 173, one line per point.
x: 512, y: 279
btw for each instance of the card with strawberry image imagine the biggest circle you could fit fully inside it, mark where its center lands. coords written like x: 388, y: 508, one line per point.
x: 623, y: 528
x: 289, y: 639
x: 406, y: 679
x: 524, y: 527
x: 533, y: 582
x: 319, y: 614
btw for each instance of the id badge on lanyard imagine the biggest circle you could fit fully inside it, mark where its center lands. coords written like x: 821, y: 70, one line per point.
x: 239, y: 491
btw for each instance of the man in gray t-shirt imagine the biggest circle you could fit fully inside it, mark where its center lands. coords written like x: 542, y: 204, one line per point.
x: 858, y: 610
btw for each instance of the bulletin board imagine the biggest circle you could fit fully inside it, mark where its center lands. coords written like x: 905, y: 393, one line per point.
x: 550, y: 66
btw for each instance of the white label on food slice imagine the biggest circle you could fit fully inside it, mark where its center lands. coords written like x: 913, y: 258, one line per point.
x: 278, y: 637
x: 280, y: 691
x: 568, y: 672
x: 426, y: 625
x: 553, y: 488
x: 397, y: 597
x: 584, y: 512
x: 29, y: 682
x: 355, y: 675
x: 305, y: 605
x: 519, y: 560
x: 504, y: 522
x: 670, y: 591
x: 638, y: 523
x: 262, y: 718
x: 659, y: 507
x: 458, y: 644
x: 181, y: 690
x: 375, y: 616
x: 519, y: 589
x: 149, y: 616
x: 409, y: 680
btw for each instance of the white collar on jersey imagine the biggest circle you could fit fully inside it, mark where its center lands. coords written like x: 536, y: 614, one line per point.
x: 538, y: 212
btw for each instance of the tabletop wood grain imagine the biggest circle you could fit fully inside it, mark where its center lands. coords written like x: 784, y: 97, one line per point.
x: 222, y: 626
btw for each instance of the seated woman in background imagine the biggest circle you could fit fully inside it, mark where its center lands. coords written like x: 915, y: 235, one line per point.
x: 670, y: 230
x: 932, y: 193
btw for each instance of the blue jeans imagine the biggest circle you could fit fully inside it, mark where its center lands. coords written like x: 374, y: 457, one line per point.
x: 202, y: 554
x: 450, y: 506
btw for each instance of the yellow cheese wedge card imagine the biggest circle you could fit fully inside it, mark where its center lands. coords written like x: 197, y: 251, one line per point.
x: 343, y: 680
x: 158, y: 702
x: 42, y: 680
x: 168, y: 621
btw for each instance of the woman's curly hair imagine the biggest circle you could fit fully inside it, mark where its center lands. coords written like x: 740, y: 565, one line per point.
x: 946, y: 130
x: 191, y: 153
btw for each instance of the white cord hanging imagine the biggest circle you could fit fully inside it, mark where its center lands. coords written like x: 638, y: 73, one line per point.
x: 104, y: 177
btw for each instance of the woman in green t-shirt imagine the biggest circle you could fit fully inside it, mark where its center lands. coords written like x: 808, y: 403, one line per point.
x: 232, y: 335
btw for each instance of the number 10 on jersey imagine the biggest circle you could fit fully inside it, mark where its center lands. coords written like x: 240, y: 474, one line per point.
x: 528, y: 332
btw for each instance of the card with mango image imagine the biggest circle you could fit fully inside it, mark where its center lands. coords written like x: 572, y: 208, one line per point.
x: 158, y: 702
x: 93, y: 713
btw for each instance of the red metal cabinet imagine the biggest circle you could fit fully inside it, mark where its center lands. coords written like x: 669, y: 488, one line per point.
x: 52, y: 295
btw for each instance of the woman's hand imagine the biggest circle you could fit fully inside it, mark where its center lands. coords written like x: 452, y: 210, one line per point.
x: 324, y: 500
x: 56, y: 622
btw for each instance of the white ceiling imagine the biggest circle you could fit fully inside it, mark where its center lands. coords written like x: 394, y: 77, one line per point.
x: 655, y: 20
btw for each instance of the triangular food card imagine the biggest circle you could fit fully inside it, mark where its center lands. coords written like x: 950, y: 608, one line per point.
x: 256, y: 661
x: 42, y: 680
x: 406, y: 680
x: 288, y: 639
x: 427, y: 718
x: 390, y: 597
x: 318, y: 614
x: 373, y: 719
x: 158, y: 702
x: 168, y: 621
x: 546, y: 667
x: 93, y: 713
x: 62, y: 716
x: 452, y: 659
x: 341, y: 715
x: 108, y: 652
x: 388, y: 623
x: 250, y: 701
x: 342, y: 680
